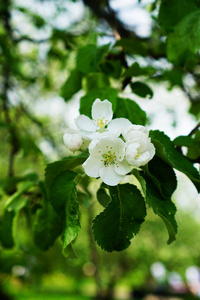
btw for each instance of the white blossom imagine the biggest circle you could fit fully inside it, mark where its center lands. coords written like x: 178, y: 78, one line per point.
x: 72, y: 139
x: 101, y: 125
x: 115, y: 146
x: 101, y: 115
x: 107, y: 160
x: 139, y: 149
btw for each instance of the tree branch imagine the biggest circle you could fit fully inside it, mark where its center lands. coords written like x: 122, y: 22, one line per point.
x: 28, y: 39
x: 6, y: 72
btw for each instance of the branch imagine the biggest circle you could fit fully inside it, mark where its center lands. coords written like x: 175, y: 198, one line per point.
x: 194, y: 130
x: 109, y: 15
x: 28, y: 39
x: 6, y: 17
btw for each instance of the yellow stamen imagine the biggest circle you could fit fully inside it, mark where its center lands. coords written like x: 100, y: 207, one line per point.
x: 109, y: 158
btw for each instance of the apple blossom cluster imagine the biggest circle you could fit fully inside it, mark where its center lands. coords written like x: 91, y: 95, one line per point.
x: 115, y: 145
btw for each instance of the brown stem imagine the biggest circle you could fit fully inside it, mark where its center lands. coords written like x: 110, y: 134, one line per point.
x: 194, y: 130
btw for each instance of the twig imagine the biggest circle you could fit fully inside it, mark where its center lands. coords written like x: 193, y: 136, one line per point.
x: 28, y: 39
x: 194, y: 130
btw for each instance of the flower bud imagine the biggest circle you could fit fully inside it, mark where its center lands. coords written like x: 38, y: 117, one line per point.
x: 73, y: 140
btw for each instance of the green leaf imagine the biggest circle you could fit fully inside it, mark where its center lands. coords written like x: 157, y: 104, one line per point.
x: 96, y: 81
x: 129, y: 109
x: 29, y: 146
x: 186, y: 141
x: 72, y: 85
x: 163, y: 176
x: 61, y: 189
x: 104, y: 93
x: 141, y: 89
x: 174, y: 77
x: 6, y: 224
x: 165, y: 150
x: 9, y: 183
x: 52, y: 170
x: 172, y: 12
x: 24, y: 187
x: 63, y: 196
x: 47, y: 225
x: 165, y: 209
x: 103, y: 197
x: 121, y: 219
x: 68, y: 252
x: 90, y: 56
x: 112, y: 68
x: 184, y: 42
x: 133, y: 47
x: 194, y: 152
x: 140, y: 179
x: 195, y: 109
x: 136, y: 70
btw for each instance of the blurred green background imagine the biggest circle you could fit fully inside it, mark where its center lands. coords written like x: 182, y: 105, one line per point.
x: 39, y: 41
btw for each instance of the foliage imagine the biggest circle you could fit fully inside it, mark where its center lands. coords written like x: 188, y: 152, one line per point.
x: 50, y: 205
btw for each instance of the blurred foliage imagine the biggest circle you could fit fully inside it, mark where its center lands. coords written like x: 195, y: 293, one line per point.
x: 40, y: 58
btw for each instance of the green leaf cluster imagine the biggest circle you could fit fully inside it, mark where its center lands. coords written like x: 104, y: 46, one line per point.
x: 60, y: 183
x: 180, y: 20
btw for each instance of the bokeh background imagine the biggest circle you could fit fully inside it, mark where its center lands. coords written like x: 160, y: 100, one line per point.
x: 39, y: 40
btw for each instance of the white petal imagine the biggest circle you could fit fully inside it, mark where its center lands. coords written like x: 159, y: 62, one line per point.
x: 84, y: 123
x: 102, y: 110
x: 151, y: 149
x: 118, y: 125
x: 109, y: 176
x: 71, y: 131
x: 89, y: 135
x: 142, y: 160
x: 93, y: 144
x: 115, y: 145
x: 96, y: 135
x: 92, y: 166
x: 143, y: 144
x: 131, y: 152
x: 122, y: 168
x: 135, y: 132
x: 144, y: 157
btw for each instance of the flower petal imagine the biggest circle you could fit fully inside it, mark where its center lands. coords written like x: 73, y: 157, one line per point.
x: 92, y: 166
x: 122, y: 168
x: 86, y: 124
x: 151, y: 149
x: 135, y: 132
x: 131, y: 152
x: 109, y: 176
x: 142, y: 160
x: 118, y: 125
x: 102, y: 111
x: 96, y: 135
x: 114, y: 145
